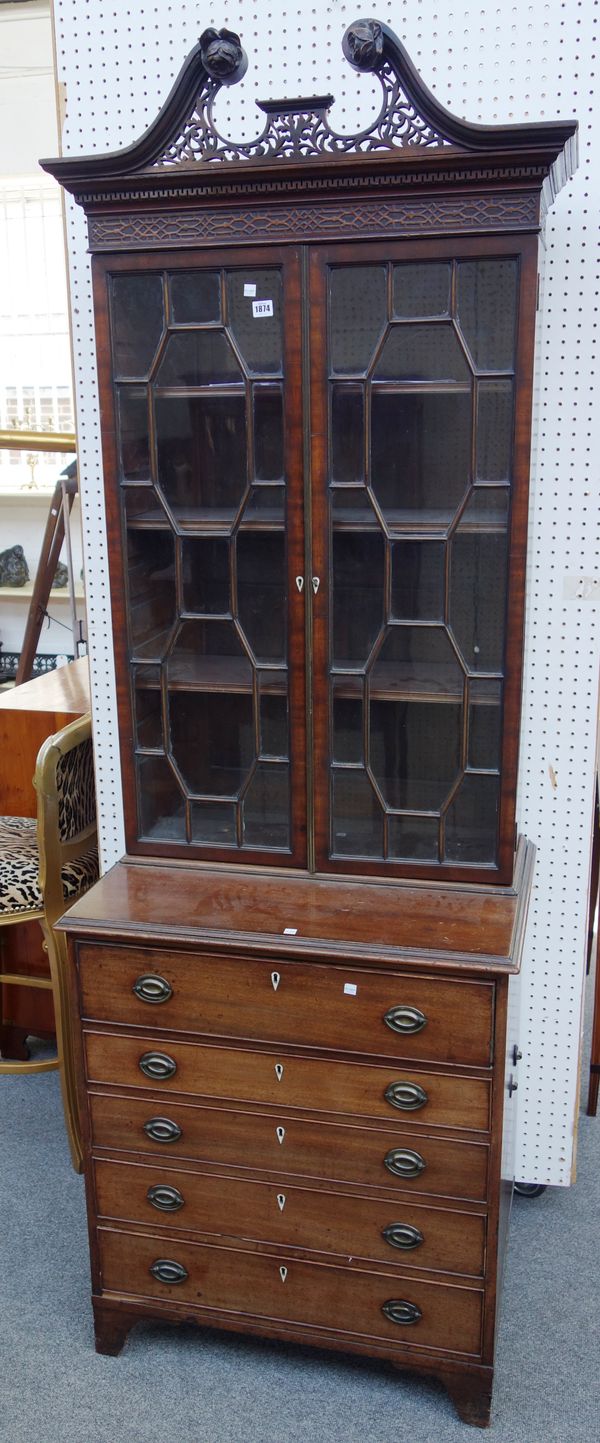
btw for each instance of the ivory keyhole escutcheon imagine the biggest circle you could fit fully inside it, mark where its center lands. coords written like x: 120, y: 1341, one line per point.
x: 280, y: 1133
x: 275, y: 979
x: 279, y: 1071
x: 281, y: 1201
x: 283, y: 1274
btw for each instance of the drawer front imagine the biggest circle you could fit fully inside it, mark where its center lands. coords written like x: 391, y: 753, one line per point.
x: 250, y: 1285
x: 436, y: 1099
x: 288, y: 1216
x: 307, y: 1004
x: 292, y: 1146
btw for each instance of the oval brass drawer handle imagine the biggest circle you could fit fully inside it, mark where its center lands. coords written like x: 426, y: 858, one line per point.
x: 158, y: 1066
x: 166, y: 1271
x: 408, y: 1096
x: 168, y: 1199
x: 403, y: 1162
x: 152, y: 989
x: 402, y: 1235
x: 399, y: 1311
x: 161, y: 1129
x: 405, y: 1019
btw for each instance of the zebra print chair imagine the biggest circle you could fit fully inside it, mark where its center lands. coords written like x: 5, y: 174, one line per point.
x: 45, y: 864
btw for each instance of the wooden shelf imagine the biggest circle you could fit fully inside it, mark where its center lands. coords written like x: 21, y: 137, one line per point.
x: 211, y: 520
x: 413, y: 681
x: 217, y: 674
x: 432, y: 525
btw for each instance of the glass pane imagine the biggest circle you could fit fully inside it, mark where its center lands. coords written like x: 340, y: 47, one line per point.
x: 205, y: 574
x: 357, y: 820
x: 268, y: 433
x: 201, y: 443
x: 413, y: 838
x: 195, y: 296
x: 151, y: 591
x: 420, y: 454
x: 494, y: 430
x: 421, y: 289
x: 472, y: 821
x: 352, y: 507
x: 417, y: 661
x: 358, y: 313
x: 273, y: 726
x: 347, y: 729
x: 142, y: 507
x: 347, y: 434
x: 161, y: 805
x: 148, y: 709
x: 487, y: 311
x: 258, y: 337
x: 487, y: 510
x: 199, y: 358
x: 478, y: 597
x: 358, y: 562
x: 485, y: 724
x: 137, y: 322
x: 265, y: 507
x: 262, y: 592
x: 415, y: 752
x: 212, y: 740
x: 214, y: 822
x: 418, y: 580
x: 209, y: 655
x: 134, y: 448
x: 422, y: 353
x: 267, y: 807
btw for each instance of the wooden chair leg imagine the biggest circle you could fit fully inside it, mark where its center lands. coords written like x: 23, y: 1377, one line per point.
x: 56, y: 948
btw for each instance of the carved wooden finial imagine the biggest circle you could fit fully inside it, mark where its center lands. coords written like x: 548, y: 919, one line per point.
x: 363, y: 44
x: 222, y: 56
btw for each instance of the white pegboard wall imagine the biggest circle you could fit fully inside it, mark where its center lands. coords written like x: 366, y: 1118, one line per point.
x: 493, y: 63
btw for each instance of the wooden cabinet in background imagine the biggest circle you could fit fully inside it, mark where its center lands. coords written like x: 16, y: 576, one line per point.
x: 315, y: 358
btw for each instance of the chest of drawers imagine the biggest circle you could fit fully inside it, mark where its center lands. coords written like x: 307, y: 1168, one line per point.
x: 299, y: 1135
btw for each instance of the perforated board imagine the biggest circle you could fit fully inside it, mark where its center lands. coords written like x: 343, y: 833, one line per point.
x: 497, y: 62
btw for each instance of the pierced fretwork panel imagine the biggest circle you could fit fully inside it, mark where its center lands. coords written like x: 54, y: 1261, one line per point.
x: 198, y: 360
x: 421, y: 414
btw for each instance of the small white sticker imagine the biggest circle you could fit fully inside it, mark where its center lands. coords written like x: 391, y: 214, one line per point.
x: 290, y: 931
x: 249, y: 289
x: 350, y: 988
x: 262, y: 308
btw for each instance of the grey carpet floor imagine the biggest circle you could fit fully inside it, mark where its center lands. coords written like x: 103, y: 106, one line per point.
x: 191, y: 1386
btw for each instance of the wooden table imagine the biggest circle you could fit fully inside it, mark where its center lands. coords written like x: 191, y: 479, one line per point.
x: 28, y: 715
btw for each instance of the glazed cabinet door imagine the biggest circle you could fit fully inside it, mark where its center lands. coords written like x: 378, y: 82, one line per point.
x: 202, y: 409
x: 421, y: 395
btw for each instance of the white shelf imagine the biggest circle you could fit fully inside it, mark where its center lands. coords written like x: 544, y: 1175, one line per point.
x: 41, y: 496
x: 26, y: 592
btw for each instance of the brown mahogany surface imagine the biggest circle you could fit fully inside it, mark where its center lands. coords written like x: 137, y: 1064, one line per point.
x: 393, y: 921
